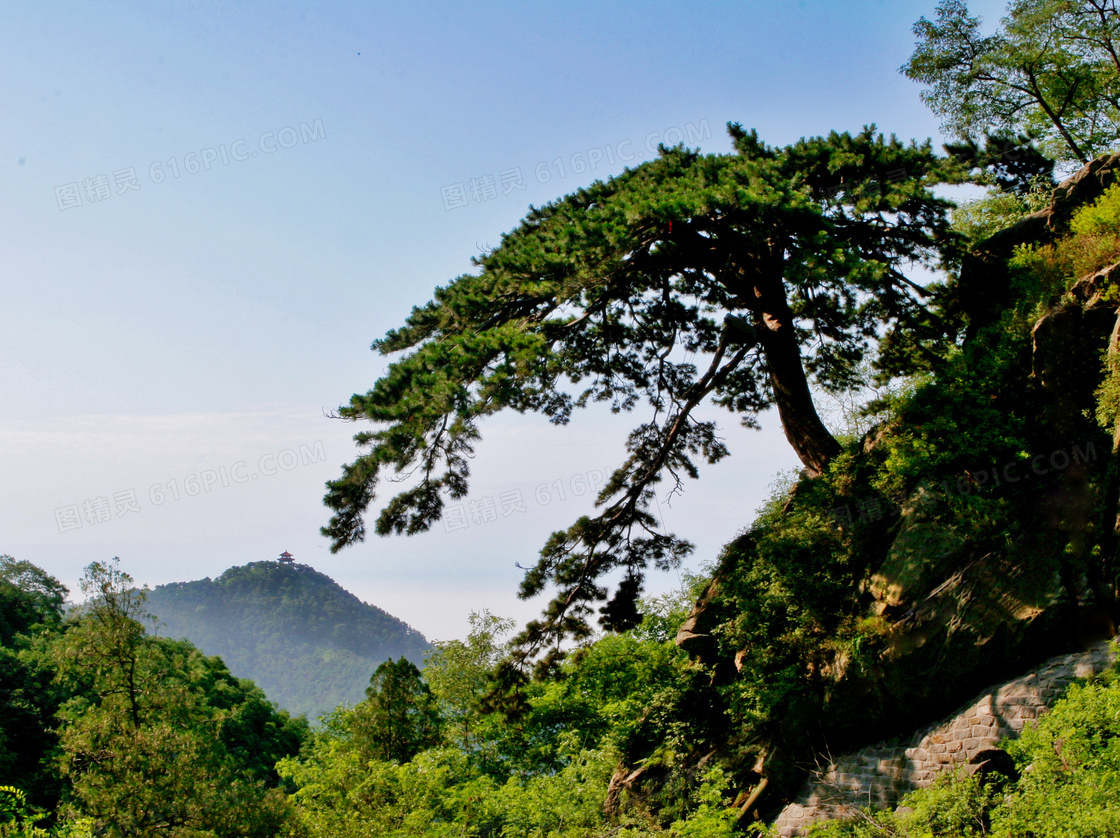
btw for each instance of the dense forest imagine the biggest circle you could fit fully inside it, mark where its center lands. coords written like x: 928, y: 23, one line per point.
x: 307, y: 642
x: 959, y: 526
x: 111, y: 730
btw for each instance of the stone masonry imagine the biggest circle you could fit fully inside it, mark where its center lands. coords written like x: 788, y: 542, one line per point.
x: 881, y: 774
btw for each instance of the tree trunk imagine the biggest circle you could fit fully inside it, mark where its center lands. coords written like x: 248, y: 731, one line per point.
x: 811, y: 440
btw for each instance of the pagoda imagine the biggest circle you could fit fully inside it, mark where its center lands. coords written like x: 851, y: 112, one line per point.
x: 286, y: 558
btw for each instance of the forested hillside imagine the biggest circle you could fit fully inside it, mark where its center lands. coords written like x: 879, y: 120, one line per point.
x: 307, y: 642
x: 108, y: 730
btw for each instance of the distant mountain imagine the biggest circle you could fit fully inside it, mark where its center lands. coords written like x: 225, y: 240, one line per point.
x: 305, y: 640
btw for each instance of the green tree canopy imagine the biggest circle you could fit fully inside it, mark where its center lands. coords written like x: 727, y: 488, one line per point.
x: 31, y: 604
x: 104, y: 649
x: 1051, y: 70
x: 155, y: 738
x: 458, y: 674
x: 398, y: 719
x: 29, y: 596
x: 732, y: 279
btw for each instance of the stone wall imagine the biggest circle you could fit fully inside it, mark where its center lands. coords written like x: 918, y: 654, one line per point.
x: 881, y: 774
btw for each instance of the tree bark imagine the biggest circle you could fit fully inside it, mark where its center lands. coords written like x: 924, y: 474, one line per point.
x: 811, y: 440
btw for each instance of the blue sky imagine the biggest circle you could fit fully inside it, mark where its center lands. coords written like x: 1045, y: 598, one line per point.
x: 210, y: 211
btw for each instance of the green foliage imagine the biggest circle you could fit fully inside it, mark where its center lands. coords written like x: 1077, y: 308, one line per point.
x: 999, y: 209
x: 813, y: 599
x: 1092, y: 244
x: 1096, y: 229
x: 306, y: 641
x: 169, y: 776
x: 736, y: 258
x: 545, y: 773
x: 1108, y: 400
x: 853, y: 414
x: 1102, y: 217
x: 629, y: 690
x: 713, y: 818
x: 13, y: 804
x: 974, y: 412
x: 1049, y: 71
x: 1069, y: 787
x: 399, y: 718
x: 459, y: 672
x: 1010, y: 164
x: 1073, y: 755
x: 30, y: 599
x: 18, y: 821
x: 942, y: 430
x: 789, y: 587
x: 569, y: 802
x: 31, y: 603
x: 102, y: 653
x: 953, y: 807
x: 1049, y: 267
x: 155, y: 738
x: 438, y: 794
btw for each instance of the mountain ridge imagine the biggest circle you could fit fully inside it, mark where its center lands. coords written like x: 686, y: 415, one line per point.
x: 304, y: 639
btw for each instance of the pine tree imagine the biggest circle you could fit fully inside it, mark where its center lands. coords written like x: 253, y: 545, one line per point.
x: 398, y: 719
x: 732, y: 278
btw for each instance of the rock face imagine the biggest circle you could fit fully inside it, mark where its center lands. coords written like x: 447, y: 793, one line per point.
x: 985, y: 284
x: 881, y: 774
x: 955, y: 609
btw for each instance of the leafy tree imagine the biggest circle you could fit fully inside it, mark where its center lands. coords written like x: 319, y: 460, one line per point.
x: 771, y: 266
x: 29, y: 597
x: 253, y: 731
x: 28, y: 737
x: 1011, y: 164
x: 156, y: 739
x: 438, y: 794
x: 168, y: 777
x: 458, y: 673
x: 1071, y: 762
x: 31, y: 603
x: 398, y: 719
x: 545, y: 775
x: 106, y: 645
x: 1052, y: 70
x: 621, y: 693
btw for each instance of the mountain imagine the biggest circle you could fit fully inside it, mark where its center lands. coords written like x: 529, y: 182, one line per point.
x: 304, y: 639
